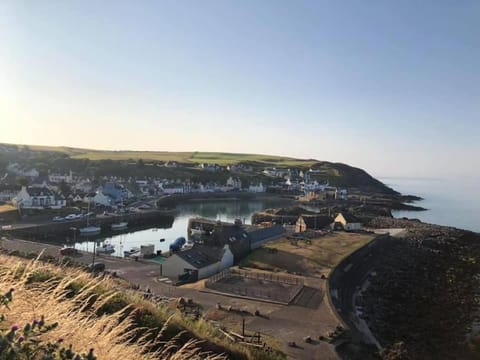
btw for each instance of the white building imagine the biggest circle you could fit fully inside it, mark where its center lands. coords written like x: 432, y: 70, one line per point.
x: 58, y: 178
x: 8, y: 192
x: 256, y: 188
x: 38, y: 198
x: 348, y: 222
x: 172, y: 188
x: 201, y: 261
x: 234, y: 183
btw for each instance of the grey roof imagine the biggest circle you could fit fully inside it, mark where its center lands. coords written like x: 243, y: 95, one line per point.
x: 39, y: 191
x: 257, y: 234
x: 316, y: 222
x: 200, y: 256
x: 349, y: 218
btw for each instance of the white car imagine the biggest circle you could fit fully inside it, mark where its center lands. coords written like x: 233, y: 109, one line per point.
x: 71, y: 217
x: 58, y: 218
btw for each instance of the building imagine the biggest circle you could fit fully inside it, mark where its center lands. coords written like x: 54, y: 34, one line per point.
x: 257, y: 188
x: 197, y: 262
x: 38, y: 198
x: 58, y: 178
x: 312, y: 222
x: 234, y: 183
x: 172, y: 188
x: 348, y: 222
x: 260, y: 235
x: 8, y: 192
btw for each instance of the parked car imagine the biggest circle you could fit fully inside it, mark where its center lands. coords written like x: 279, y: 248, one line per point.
x: 96, y: 267
x: 68, y: 251
x: 58, y: 218
x: 71, y: 217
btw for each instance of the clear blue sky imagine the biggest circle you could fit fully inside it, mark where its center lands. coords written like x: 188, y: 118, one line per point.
x: 390, y: 86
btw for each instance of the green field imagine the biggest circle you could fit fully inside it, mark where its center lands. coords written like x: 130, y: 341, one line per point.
x: 183, y: 157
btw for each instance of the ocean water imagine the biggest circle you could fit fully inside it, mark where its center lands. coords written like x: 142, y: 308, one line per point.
x: 449, y: 202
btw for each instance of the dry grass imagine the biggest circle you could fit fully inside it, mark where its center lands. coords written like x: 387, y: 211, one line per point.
x: 313, y: 258
x: 110, y: 335
x: 6, y: 208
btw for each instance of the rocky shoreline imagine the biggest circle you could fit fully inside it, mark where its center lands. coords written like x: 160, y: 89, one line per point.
x: 423, y: 300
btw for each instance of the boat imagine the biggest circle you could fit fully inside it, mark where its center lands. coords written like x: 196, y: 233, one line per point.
x: 177, y: 244
x: 106, y: 248
x: 132, y: 251
x: 90, y: 229
x: 120, y: 226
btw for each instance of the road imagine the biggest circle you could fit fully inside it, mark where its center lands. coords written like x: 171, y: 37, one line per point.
x: 347, y: 279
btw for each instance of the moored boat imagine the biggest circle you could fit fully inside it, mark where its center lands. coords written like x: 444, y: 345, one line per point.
x: 105, y: 249
x: 90, y: 230
x: 120, y: 226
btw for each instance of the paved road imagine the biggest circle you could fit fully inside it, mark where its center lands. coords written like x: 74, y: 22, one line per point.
x: 349, y: 277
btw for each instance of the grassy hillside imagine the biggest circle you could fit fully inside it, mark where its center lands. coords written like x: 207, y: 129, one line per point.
x: 124, y: 163
x: 103, y: 314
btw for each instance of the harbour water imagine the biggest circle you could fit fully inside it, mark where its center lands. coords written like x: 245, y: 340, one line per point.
x: 216, y: 210
x: 449, y: 202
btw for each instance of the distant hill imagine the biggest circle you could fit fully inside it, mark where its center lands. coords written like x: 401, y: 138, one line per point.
x: 76, y: 159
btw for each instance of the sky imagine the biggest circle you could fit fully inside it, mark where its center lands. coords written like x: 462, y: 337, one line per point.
x: 389, y: 86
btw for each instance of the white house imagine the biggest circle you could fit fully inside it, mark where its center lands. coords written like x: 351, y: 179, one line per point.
x: 172, y: 188
x: 256, y: 188
x: 38, y: 198
x: 8, y: 192
x: 234, y: 183
x: 202, y: 261
x: 348, y: 222
x: 58, y: 178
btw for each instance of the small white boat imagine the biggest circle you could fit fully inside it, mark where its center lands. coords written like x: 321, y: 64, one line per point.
x: 90, y: 230
x: 132, y: 251
x: 120, y: 226
x: 105, y: 249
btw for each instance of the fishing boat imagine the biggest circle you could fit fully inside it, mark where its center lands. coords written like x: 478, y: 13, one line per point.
x: 131, y: 252
x: 106, y: 248
x: 120, y: 226
x: 90, y: 229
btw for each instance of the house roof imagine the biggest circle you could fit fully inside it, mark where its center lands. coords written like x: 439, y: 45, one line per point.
x: 316, y: 222
x: 257, y: 234
x: 349, y: 218
x: 200, y: 256
x: 39, y: 191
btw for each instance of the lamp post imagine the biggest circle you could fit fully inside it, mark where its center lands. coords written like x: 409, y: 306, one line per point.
x: 74, y: 229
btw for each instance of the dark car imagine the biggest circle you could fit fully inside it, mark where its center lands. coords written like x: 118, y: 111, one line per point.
x: 96, y: 267
x: 68, y: 251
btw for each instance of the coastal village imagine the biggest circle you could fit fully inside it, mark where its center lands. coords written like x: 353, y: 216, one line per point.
x: 306, y: 274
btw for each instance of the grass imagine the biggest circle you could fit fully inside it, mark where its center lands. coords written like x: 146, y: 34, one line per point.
x: 7, y: 208
x: 102, y: 314
x: 313, y: 257
x: 183, y: 157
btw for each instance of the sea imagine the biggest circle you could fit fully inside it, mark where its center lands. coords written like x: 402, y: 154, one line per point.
x: 451, y: 202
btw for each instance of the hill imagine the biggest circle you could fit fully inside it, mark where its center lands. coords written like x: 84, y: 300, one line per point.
x: 149, y: 163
